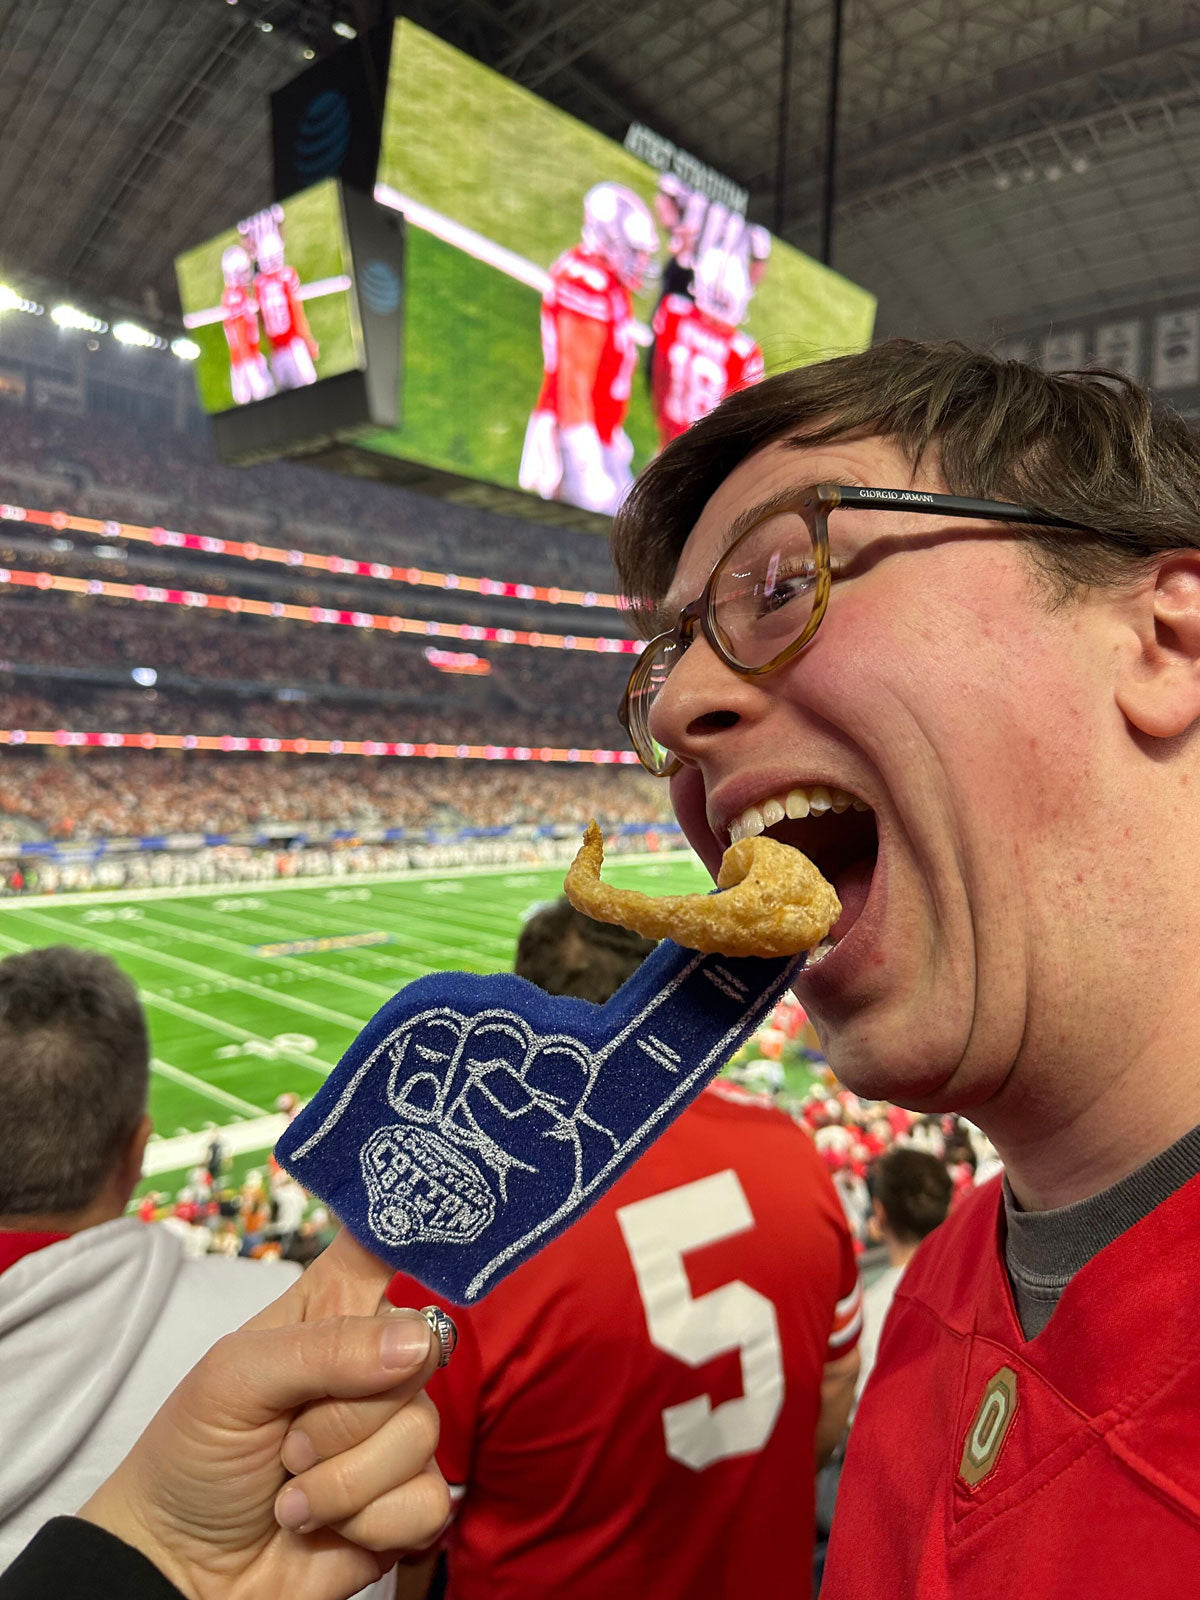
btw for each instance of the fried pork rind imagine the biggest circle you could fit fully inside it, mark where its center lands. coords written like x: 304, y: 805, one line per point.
x: 775, y: 903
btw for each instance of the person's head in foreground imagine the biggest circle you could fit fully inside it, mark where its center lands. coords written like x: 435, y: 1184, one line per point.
x: 910, y: 1197
x: 74, y: 1076
x: 564, y: 952
x: 1009, y: 699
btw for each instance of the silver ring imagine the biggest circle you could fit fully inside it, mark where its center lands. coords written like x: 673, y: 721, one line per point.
x: 443, y: 1326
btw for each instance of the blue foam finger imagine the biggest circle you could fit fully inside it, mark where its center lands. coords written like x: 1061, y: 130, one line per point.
x: 475, y: 1118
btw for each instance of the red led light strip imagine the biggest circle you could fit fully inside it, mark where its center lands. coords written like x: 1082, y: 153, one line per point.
x: 233, y: 744
x: 244, y: 550
x: 153, y: 595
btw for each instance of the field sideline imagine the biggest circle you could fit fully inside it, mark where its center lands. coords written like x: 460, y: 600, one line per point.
x: 235, y: 1021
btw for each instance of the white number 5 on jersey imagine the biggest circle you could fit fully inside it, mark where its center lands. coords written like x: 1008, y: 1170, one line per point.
x: 658, y: 1232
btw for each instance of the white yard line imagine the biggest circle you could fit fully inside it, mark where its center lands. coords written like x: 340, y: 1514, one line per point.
x: 164, y: 1069
x: 206, y: 974
x: 243, y: 949
x: 231, y: 1030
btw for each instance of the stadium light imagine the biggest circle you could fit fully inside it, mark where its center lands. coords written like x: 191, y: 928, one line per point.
x: 10, y: 300
x: 345, y: 30
x: 185, y: 349
x: 71, y: 317
x: 147, y: 677
x: 130, y: 333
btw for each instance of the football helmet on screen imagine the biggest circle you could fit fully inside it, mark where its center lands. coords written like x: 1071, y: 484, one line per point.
x: 721, y: 286
x: 235, y: 266
x: 618, y: 227
x: 269, y: 251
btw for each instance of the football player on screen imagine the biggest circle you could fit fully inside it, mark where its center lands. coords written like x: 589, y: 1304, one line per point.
x: 576, y: 448
x: 699, y: 355
x: 249, y: 378
x: 695, y: 225
x: 277, y: 289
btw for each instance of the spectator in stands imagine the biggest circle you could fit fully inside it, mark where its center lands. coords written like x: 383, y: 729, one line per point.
x: 100, y: 1315
x: 910, y: 1196
x: 642, y: 1407
x: 1016, y: 696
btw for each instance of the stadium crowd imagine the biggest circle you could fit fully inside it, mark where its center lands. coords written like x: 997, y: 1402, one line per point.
x: 108, y: 468
x: 543, y: 696
x: 215, y: 710
x: 135, y: 793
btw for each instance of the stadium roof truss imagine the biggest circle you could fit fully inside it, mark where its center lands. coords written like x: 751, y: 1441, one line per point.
x: 999, y: 160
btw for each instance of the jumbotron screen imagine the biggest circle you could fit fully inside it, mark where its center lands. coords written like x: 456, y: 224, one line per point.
x: 270, y: 301
x: 569, y: 308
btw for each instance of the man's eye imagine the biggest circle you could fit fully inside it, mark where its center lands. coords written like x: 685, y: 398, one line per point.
x: 781, y: 588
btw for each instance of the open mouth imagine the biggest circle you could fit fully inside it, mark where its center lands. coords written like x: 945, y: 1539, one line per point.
x: 838, y: 833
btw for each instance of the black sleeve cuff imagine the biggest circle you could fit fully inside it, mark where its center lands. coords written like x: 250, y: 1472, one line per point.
x: 69, y: 1559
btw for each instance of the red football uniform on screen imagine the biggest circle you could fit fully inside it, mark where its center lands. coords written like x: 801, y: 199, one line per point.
x: 239, y: 315
x: 697, y: 362
x: 984, y: 1464
x: 277, y: 303
x: 634, y: 1409
x: 583, y: 285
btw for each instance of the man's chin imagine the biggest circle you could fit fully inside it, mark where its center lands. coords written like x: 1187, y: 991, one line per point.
x: 917, y: 1081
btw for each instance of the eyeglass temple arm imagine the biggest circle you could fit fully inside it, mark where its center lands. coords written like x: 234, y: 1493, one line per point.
x: 946, y: 505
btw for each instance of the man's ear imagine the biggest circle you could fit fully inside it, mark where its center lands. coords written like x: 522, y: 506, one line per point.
x: 1158, y: 687
x: 130, y: 1172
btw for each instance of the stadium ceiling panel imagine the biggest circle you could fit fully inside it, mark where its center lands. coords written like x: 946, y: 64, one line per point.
x: 999, y: 159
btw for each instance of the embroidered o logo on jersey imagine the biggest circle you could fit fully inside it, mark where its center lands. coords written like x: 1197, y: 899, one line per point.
x: 989, y: 1428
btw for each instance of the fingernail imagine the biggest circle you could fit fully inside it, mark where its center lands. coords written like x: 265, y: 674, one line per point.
x: 405, y: 1341
x: 297, y: 1453
x: 291, y: 1508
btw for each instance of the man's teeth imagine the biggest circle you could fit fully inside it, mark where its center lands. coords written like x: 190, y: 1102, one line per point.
x: 813, y: 800
x: 820, y: 951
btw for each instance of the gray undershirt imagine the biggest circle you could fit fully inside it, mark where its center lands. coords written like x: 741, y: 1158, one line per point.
x: 1044, y: 1250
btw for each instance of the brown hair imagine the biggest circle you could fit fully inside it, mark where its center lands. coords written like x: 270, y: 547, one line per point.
x: 74, y: 1072
x: 564, y: 952
x: 914, y: 1189
x: 1091, y: 447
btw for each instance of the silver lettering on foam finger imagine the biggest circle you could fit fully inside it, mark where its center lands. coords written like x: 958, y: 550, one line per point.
x: 419, y: 1187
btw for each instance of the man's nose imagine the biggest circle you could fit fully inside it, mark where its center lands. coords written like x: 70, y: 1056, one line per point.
x: 701, y: 699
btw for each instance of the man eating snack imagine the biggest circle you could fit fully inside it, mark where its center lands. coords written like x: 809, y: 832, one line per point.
x: 934, y: 620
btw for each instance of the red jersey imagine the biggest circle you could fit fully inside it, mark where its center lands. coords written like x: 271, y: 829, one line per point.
x: 635, y: 1408
x: 583, y: 285
x: 984, y: 1464
x: 697, y: 362
x: 239, y: 314
x: 278, y: 302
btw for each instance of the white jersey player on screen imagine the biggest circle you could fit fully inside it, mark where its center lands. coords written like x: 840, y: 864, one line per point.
x: 576, y: 448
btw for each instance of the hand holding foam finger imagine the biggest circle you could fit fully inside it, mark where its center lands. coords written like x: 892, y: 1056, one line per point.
x: 204, y: 1492
x: 775, y: 902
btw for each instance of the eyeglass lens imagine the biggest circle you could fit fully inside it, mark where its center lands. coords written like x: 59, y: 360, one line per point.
x: 761, y: 600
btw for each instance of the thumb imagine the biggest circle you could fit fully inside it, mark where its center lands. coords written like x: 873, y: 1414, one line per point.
x: 257, y: 1374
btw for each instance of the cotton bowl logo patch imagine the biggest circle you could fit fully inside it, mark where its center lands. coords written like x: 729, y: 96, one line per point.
x: 474, y: 1118
x: 419, y: 1187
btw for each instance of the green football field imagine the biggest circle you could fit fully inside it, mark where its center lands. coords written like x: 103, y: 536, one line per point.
x: 235, y: 1022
